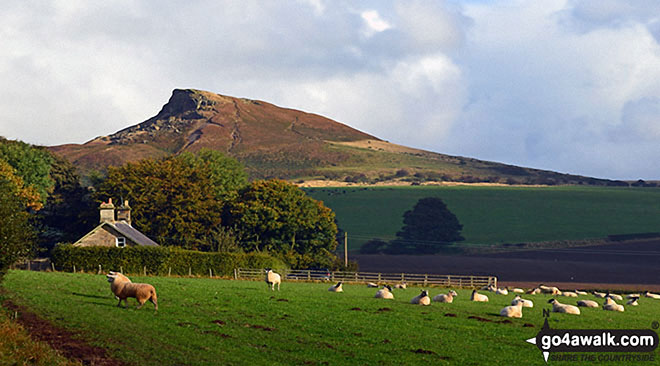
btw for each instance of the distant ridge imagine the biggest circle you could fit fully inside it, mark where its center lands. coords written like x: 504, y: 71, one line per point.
x: 285, y: 143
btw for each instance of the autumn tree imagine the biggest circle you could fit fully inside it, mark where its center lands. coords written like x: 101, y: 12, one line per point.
x: 177, y: 200
x: 32, y: 164
x: 276, y: 216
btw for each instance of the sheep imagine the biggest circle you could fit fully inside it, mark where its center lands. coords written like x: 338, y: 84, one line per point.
x: 558, y: 307
x: 549, y: 290
x: 616, y: 297
x: 501, y: 291
x: 513, y: 311
x: 582, y: 293
x: 651, y: 295
x: 611, y: 305
x: 421, y: 299
x: 630, y: 296
x: 273, y: 279
x: 478, y: 297
x: 587, y: 304
x: 371, y: 284
x: 568, y: 294
x: 336, y: 288
x: 517, y: 290
x: 526, y: 303
x: 633, y: 301
x: 600, y: 295
x: 448, y: 297
x: 123, y: 288
x: 534, y: 291
x: 401, y: 285
x: 384, y: 293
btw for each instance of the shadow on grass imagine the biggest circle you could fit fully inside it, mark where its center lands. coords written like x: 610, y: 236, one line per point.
x: 92, y: 296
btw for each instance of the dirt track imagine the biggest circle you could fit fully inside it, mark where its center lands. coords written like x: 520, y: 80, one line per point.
x: 631, y: 265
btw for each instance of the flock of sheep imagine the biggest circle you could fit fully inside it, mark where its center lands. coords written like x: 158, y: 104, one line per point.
x: 517, y: 304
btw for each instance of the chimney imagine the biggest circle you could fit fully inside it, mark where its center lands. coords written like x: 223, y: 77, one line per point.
x: 107, y: 210
x: 124, y: 212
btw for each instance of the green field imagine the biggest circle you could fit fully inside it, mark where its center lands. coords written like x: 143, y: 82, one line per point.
x: 225, y: 322
x: 492, y: 215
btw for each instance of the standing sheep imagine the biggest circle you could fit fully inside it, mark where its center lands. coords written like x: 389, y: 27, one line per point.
x: 272, y: 279
x: 421, y: 299
x: 336, y: 288
x: 123, y: 288
x: 478, y: 297
x: 448, y: 297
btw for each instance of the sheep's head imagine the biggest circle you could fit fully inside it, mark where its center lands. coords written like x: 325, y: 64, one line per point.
x: 116, y: 276
x: 424, y: 293
x: 552, y: 301
x: 388, y: 288
x: 453, y: 293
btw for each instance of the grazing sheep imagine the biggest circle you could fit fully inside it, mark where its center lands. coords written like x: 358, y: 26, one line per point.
x: 568, y: 294
x: 448, y: 297
x: 513, y: 311
x: 588, y: 304
x: 611, y: 305
x: 582, y: 293
x: 558, y: 307
x: 526, y: 303
x: 123, y: 288
x: 336, y: 288
x: 273, y: 279
x: 371, y: 284
x: 549, y: 290
x: 633, y: 301
x: 385, y: 293
x: 401, y: 285
x: 478, y: 297
x: 421, y: 299
x: 651, y: 295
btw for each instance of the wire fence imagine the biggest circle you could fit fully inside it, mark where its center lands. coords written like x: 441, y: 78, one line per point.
x: 466, y: 281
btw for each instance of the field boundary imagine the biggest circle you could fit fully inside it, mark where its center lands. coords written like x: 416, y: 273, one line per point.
x: 466, y: 281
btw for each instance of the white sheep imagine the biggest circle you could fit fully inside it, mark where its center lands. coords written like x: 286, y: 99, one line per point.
x: 568, y: 294
x: 633, y: 301
x: 651, y: 295
x: 630, y: 296
x: 371, y: 284
x: 549, y: 290
x: 401, y: 285
x: 273, y: 279
x: 588, y: 304
x: 534, y: 291
x: 517, y: 290
x: 526, y: 303
x: 600, y: 295
x: 384, y: 293
x: 501, y: 291
x: 611, y: 305
x: 558, y: 307
x: 478, y: 297
x: 336, y: 288
x: 448, y: 297
x: 616, y: 297
x: 582, y: 293
x: 123, y: 288
x: 513, y: 311
x: 421, y: 299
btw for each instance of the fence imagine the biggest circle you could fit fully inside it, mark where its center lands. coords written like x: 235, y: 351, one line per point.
x: 379, y: 278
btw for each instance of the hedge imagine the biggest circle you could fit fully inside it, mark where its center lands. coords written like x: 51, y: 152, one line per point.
x: 157, y: 260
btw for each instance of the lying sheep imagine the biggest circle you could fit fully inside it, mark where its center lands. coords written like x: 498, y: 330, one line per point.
x: 517, y: 290
x: 611, y: 305
x: 568, y: 294
x: 633, y: 301
x: 421, y: 299
x: 534, y: 291
x: 582, y: 293
x: 273, y: 279
x: 526, y: 303
x: 123, y: 288
x: 630, y: 296
x: 371, y: 284
x: 651, y: 295
x: 501, y: 291
x: 549, y: 290
x: 588, y: 304
x: 401, y: 285
x: 336, y: 288
x: 600, y: 295
x: 513, y: 311
x: 616, y: 297
x: 384, y: 293
x: 478, y: 297
x: 558, y: 307
x: 448, y: 297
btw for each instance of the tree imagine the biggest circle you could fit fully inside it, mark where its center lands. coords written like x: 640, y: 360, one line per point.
x: 30, y: 163
x: 16, y: 234
x: 427, y: 228
x: 176, y: 200
x: 276, y: 216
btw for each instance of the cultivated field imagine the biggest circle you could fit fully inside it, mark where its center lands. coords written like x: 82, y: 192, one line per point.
x: 211, y: 322
x: 493, y: 215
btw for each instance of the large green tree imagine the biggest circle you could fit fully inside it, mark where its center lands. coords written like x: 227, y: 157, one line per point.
x: 16, y: 234
x: 32, y: 164
x: 427, y: 228
x: 276, y: 216
x: 177, y: 200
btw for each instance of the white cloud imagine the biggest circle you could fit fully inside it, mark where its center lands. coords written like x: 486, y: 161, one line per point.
x: 374, y: 23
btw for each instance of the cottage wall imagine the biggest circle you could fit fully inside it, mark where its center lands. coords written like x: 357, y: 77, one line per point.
x: 104, y: 236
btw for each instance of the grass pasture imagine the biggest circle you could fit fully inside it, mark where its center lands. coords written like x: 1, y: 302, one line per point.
x: 492, y: 215
x: 211, y: 322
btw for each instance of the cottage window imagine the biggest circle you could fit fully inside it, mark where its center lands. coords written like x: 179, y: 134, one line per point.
x: 120, y: 242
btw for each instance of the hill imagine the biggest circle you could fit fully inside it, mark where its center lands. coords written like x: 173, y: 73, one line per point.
x: 285, y: 143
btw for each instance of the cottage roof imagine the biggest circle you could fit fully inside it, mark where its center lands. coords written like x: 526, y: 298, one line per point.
x: 126, y: 230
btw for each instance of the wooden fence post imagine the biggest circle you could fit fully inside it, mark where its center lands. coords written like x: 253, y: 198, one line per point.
x: 426, y: 279
x: 74, y: 268
x: 210, y: 273
x: 100, y: 271
x: 235, y: 273
x: 52, y: 265
x: 121, y: 269
x: 189, y: 272
x: 145, y: 270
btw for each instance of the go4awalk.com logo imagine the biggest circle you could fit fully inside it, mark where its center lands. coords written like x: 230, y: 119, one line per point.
x: 590, y: 341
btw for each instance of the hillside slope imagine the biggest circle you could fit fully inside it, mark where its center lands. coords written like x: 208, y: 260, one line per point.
x: 278, y: 142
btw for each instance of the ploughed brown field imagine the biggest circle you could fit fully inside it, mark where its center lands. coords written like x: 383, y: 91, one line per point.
x: 633, y: 265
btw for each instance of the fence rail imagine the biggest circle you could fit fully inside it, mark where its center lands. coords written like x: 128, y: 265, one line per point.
x: 375, y: 277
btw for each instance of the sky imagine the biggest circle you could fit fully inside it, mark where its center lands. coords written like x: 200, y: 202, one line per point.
x: 571, y: 86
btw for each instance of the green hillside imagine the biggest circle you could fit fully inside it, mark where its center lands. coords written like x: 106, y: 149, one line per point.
x: 499, y: 214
